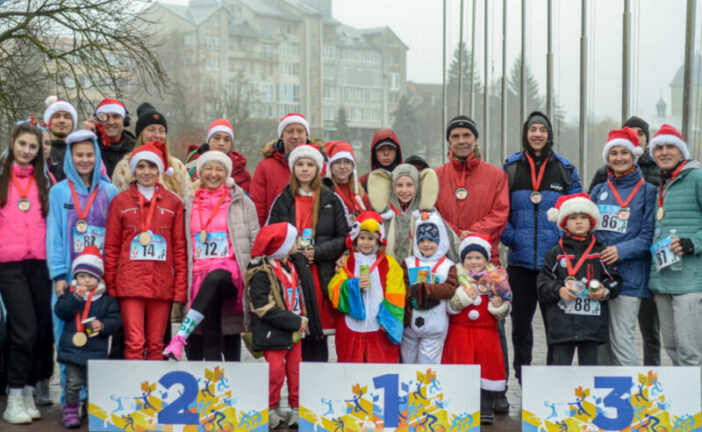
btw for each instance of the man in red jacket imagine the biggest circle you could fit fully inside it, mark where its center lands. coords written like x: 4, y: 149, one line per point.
x: 272, y: 173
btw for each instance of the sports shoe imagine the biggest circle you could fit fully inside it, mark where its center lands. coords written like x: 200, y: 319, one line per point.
x: 274, y: 419
x: 487, y: 419
x: 294, y: 419
x: 15, y: 412
x: 174, y: 350
x: 28, y: 397
x: 70, y: 416
x: 42, y: 394
x: 501, y: 404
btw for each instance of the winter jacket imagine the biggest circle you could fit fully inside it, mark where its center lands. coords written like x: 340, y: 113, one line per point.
x: 23, y: 233
x: 529, y: 234
x: 382, y: 135
x: 562, y: 327
x: 57, y: 156
x: 633, y: 245
x: 113, y: 152
x: 104, y: 309
x: 63, y: 216
x: 270, y: 178
x: 242, y: 227
x: 486, y: 208
x: 240, y: 174
x: 159, y: 280
x: 272, y: 324
x: 179, y: 183
x: 683, y: 212
x: 650, y: 171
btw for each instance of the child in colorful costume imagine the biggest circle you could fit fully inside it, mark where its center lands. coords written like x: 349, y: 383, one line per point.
x: 370, y: 291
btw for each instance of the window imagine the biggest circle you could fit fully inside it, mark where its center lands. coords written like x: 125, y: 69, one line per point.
x: 232, y: 64
x: 329, y: 114
x: 267, y: 28
x: 212, y: 43
x: 328, y: 51
x: 267, y: 51
x: 266, y: 91
x: 329, y: 92
x: 289, y: 49
x: 288, y: 92
x: 394, y: 81
x: 187, y: 40
x: 212, y: 63
x: 289, y: 69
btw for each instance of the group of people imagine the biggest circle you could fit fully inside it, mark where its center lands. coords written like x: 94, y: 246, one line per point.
x: 401, y: 264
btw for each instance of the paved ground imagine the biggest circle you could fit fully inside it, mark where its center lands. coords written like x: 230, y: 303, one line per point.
x: 51, y: 420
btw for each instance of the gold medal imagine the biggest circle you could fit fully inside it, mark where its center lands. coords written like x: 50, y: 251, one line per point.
x: 461, y: 193
x: 144, y: 238
x: 624, y: 213
x: 535, y: 197
x: 81, y: 226
x: 660, y: 213
x: 23, y: 204
x: 203, y: 236
x: 79, y: 339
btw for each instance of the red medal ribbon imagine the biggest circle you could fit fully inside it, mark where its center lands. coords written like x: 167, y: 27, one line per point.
x: 536, y: 181
x: 23, y: 192
x: 573, y: 271
x: 433, y: 269
x: 83, y: 213
x: 292, y: 282
x: 373, y: 266
x: 395, y: 209
x: 631, y: 195
x: 146, y: 224
x: 214, y: 212
x: 661, y: 195
x: 464, y: 171
x: 86, y: 309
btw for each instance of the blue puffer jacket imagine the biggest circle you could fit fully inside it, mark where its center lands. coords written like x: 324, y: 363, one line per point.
x: 632, y: 245
x: 529, y: 234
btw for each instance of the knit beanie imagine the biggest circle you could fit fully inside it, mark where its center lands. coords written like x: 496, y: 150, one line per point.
x: 306, y: 151
x: 147, y: 115
x: 461, y: 121
x: 638, y: 122
x: 429, y: 231
x: 568, y: 205
x: 89, y: 261
x: 478, y: 243
x: 219, y: 157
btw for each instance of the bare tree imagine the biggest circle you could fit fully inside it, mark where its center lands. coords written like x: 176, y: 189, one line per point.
x: 74, y: 48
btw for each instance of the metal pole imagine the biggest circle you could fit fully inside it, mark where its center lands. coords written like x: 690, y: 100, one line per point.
x: 549, y: 61
x: 460, y: 61
x: 443, y: 89
x: 486, y: 101
x: 582, y: 164
x: 522, y: 69
x: 626, y: 59
x: 689, y: 58
x: 503, y: 153
x: 472, y: 64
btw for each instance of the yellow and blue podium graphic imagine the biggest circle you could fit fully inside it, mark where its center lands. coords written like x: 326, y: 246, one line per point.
x: 590, y: 399
x: 389, y: 397
x: 140, y: 396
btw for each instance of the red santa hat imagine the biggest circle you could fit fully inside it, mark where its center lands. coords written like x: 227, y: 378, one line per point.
x: 111, y: 106
x: 306, y: 151
x: 154, y: 152
x: 292, y: 118
x: 573, y: 204
x: 219, y: 157
x: 625, y: 137
x: 54, y: 105
x: 475, y: 242
x: 668, y: 135
x: 337, y: 150
x: 368, y: 221
x: 274, y: 241
x: 220, y: 125
x: 89, y: 261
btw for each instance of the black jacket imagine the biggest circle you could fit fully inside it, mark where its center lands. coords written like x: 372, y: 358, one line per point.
x: 58, y: 153
x: 115, y: 152
x: 649, y: 169
x: 274, y: 329
x: 562, y: 327
x: 329, y: 235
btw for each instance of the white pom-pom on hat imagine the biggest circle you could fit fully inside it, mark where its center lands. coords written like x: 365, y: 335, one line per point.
x: 50, y: 100
x: 552, y: 214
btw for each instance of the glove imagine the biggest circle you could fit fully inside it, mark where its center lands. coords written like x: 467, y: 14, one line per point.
x: 460, y: 300
x: 687, y: 246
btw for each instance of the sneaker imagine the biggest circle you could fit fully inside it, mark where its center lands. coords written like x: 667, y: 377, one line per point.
x: 274, y: 419
x: 28, y: 397
x: 15, y: 412
x: 501, y: 404
x: 70, y: 416
x: 174, y: 350
x: 294, y: 419
x: 42, y: 394
x: 487, y: 419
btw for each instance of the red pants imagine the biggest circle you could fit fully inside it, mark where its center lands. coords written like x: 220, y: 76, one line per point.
x: 144, y: 322
x: 371, y: 347
x: 282, y: 363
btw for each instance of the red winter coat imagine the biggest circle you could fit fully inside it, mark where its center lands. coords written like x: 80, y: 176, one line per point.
x: 160, y: 280
x: 486, y: 208
x: 270, y: 178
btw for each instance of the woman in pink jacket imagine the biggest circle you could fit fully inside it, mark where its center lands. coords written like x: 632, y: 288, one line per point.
x: 220, y: 228
x: 24, y: 278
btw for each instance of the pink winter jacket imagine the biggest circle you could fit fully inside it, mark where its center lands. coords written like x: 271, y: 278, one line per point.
x: 23, y: 233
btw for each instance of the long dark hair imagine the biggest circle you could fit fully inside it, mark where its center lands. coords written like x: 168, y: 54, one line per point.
x: 38, y: 163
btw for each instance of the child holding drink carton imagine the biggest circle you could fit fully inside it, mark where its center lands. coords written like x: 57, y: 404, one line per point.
x: 482, y: 298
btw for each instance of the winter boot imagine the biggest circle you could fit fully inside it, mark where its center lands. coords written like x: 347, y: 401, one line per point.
x: 70, y: 416
x: 28, y: 396
x: 42, y: 393
x: 15, y: 412
x: 174, y: 350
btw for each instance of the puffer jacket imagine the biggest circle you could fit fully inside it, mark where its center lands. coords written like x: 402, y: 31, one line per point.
x: 242, y: 224
x: 159, y: 280
x: 240, y: 174
x: 649, y: 170
x: 270, y: 178
x: 683, y: 212
x: 23, y: 233
x: 632, y: 245
x: 382, y: 135
x: 562, y: 327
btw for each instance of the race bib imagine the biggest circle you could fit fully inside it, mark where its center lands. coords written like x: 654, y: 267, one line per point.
x: 154, y: 250
x: 582, y: 305
x: 662, y: 255
x: 296, y: 308
x: 216, y: 246
x: 93, y: 236
x: 611, y: 220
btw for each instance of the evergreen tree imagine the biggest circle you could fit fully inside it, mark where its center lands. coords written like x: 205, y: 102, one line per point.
x: 452, y: 86
x: 342, y: 127
x: 406, y: 126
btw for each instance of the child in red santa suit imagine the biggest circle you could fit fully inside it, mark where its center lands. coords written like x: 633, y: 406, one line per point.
x: 145, y: 253
x: 482, y: 298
